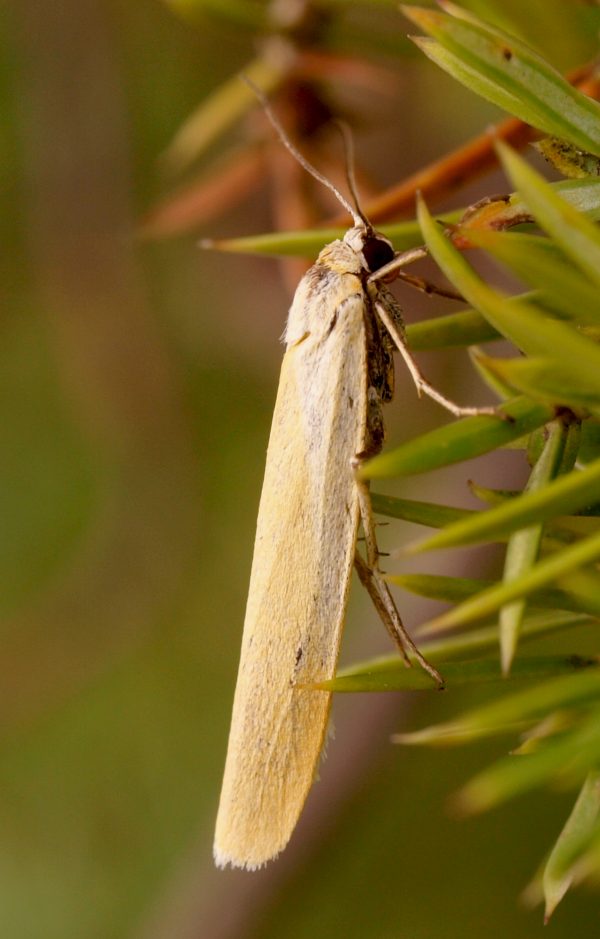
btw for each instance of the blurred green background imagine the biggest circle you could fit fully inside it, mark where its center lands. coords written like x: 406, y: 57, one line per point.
x: 136, y: 387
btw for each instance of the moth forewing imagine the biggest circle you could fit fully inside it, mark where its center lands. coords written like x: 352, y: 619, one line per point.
x: 303, y: 558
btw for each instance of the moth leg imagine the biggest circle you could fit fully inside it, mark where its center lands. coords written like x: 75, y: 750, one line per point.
x: 389, y: 315
x: 419, y: 283
x: 371, y: 578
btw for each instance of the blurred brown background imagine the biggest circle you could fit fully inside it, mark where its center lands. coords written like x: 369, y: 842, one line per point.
x: 136, y: 386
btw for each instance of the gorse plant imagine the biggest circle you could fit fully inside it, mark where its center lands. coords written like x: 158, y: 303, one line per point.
x: 551, y: 391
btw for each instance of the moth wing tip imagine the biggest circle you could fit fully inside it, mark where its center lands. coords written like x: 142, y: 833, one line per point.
x: 224, y: 859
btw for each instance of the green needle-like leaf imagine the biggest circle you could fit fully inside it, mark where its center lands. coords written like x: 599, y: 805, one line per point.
x: 307, y: 244
x: 421, y: 513
x: 559, y: 869
x: 456, y: 329
x: 578, y: 237
x: 545, y: 572
x: 582, y: 194
x: 476, y: 642
x: 548, y: 381
x: 467, y: 645
x: 525, y: 325
x: 439, y: 587
x: 563, y: 496
x: 540, y: 264
x: 508, y: 73
x: 571, y: 756
x: 523, y: 545
x: 526, y: 706
x: 518, y: 709
x: 458, y: 589
x: 474, y: 671
x: 462, y: 440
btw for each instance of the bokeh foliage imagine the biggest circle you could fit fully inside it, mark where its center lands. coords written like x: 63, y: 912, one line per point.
x: 135, y: 403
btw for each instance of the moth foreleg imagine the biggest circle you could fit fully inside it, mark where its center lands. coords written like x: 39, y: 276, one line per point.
x: 389, y: 313
x: 372, y: 579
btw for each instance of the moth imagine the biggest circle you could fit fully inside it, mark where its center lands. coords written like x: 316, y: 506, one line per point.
x: 337, y: 373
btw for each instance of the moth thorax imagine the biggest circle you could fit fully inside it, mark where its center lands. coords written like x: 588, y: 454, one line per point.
x: 374, y: 249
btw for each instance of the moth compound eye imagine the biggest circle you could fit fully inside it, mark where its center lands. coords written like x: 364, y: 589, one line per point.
x: 377, y: 252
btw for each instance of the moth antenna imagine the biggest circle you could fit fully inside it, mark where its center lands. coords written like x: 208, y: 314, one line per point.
x: 350, y: 165
x: 356, y: 215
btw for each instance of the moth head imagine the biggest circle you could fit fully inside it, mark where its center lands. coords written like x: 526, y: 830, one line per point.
x: 374, y: 249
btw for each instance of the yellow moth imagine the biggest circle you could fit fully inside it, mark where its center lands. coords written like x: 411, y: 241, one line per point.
x: 337, y: 371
